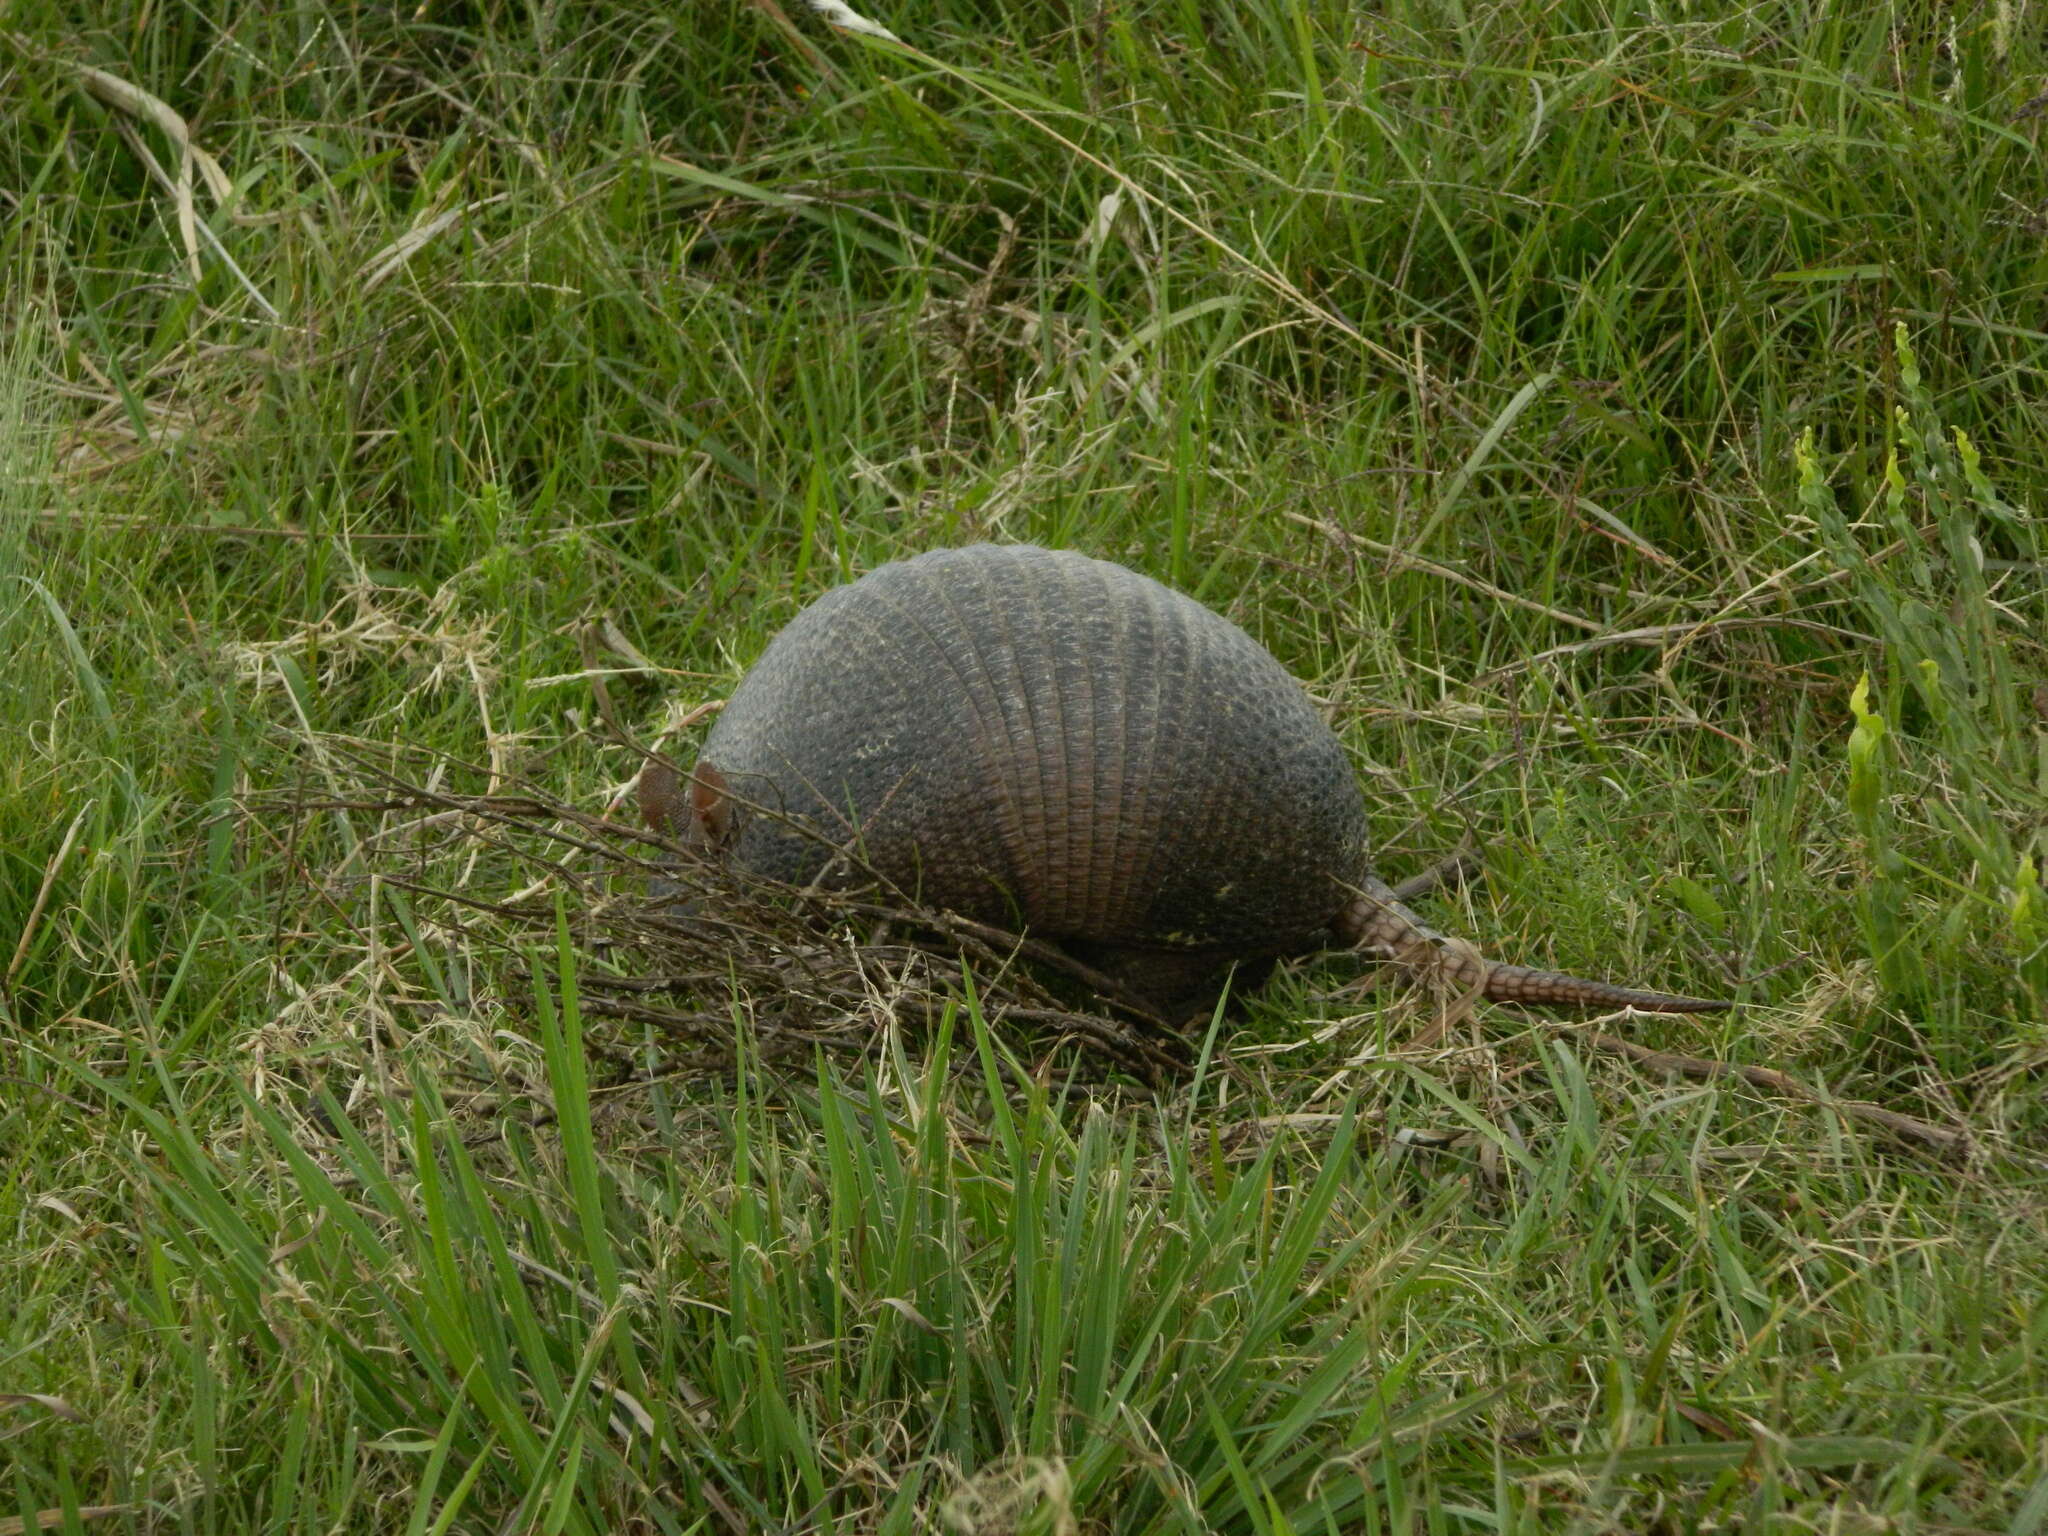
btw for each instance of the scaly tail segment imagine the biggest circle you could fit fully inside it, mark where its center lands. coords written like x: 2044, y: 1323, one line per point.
x: 1376, y: 923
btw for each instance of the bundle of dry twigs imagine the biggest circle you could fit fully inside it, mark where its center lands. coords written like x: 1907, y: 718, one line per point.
x: 687, y: 948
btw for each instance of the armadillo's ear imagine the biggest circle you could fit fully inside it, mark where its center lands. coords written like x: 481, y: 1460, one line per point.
x: 660, y: 791
x: 710, y: 804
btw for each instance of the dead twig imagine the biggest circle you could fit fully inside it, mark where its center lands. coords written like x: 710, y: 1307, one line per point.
x: 35, y: 911
x: 1416, y: 562
x: 1948, y: 1141
x: 1446, y: 874
x: 1661, y: 634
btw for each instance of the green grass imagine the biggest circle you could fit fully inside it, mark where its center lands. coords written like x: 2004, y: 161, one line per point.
x: 1584, y: 401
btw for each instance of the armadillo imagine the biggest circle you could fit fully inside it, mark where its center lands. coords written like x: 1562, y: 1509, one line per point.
x: 1041, y: 740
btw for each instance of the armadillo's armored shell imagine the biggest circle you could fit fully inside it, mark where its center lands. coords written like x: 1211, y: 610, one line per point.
x: 1027, y: 735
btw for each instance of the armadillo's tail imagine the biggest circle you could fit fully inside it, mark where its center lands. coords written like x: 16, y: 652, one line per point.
x: 1376, y: 923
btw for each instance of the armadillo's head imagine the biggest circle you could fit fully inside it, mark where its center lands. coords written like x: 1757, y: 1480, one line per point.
x: 699, y: 815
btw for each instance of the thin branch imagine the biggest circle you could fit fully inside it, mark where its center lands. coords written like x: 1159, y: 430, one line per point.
x: 1948, y: 1141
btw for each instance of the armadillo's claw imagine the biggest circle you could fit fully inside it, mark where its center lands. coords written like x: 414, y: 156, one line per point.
x: 1519, y: 984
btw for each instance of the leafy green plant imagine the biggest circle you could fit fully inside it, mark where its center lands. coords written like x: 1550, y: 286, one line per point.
x: 1938, y: 596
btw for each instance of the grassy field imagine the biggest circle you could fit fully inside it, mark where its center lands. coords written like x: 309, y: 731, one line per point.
x: 1582, y: 400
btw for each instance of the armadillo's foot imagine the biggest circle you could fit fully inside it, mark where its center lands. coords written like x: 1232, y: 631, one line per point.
x: 1377, y: 924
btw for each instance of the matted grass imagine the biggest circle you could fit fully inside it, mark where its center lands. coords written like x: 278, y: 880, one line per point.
x: 1581, y: 400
